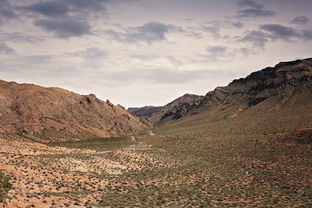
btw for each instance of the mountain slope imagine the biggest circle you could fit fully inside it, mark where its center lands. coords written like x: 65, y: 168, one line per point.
x: 52, y: 114
x: 282, y: 81
x: 276, y: 86
x: 146, y: 111
x: 174, y: 108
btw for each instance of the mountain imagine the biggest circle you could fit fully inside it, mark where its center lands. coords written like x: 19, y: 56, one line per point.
x: 286, y: 83
x: 53, y: 114
x: 146, y: 111
x: 174, y: 108
x: 135, y: 109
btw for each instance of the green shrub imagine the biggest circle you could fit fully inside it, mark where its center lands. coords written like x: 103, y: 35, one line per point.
x: 5, y: 186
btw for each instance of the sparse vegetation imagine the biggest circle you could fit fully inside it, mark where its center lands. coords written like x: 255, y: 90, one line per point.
x: 5, y: 186
x: 100, y: 144
x: 222, y: 171
x: 201, y: 161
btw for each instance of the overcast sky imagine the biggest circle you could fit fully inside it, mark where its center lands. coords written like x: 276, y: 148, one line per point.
x: 148, y: 52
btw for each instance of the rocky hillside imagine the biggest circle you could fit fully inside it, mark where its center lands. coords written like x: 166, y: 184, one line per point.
x: 146, y: 111
x: 279, y: 83
x: 53, y: 114
x: 156, y: 114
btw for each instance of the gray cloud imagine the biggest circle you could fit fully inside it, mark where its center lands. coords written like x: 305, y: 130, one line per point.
x: 149, y: 32
x: 245, y: 50
x: 255, y: 13
x: 19, y: 37
x: 280, y: 32
x: 66, y: 18
x: 89, y: 5
x: 256, y: 38
x: 306, y: 34
x: 91, y: 53
x: 217, y: 49
x: 302, y: 20
x: 6, y: 11
x: 251, y: 8
x: 39, y: 68
x: 250, y: 3
x: 5, y: 49
x: 48, y: 8
x: 237, y: 24
x: 277, y: 31
x: 94, y: 53
x: 57, y: 8
x: 272, y: 32
x: 212, y: 27
x: 64, y: 28
x: 92, y: 57
x: 215, y: 53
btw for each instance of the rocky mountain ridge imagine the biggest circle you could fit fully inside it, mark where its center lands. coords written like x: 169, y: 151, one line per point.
x: 53, y: 114
x: 156, y: 114
x: 281, y: 82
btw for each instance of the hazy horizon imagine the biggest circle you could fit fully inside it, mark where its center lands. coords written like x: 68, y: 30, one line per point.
x: 143, y: 52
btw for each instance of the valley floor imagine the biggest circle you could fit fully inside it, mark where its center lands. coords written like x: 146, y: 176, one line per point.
x: 44, y: 176
x: 172, y: 171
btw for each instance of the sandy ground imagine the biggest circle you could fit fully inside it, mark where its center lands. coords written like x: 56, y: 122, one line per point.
x: 44, y: 176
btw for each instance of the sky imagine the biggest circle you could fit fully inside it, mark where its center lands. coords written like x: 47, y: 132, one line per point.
x: 148, y: 52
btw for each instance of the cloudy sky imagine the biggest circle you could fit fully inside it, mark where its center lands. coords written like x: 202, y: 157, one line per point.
x: 148, y: 52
